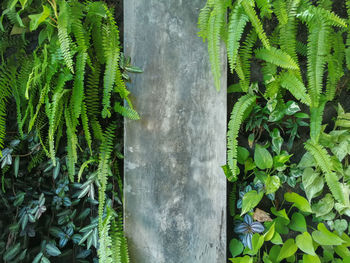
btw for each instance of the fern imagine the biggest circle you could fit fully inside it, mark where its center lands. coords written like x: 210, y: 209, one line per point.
x: 203, y: 20
x: 316, y: 53
x: 126, y: 112
x: 85, y: 122
x: 254, y: 19
x: 112, y: 54
x: 292, y: 83
x: 78, y: 87
x: 276, y: 57
x: 65, y: 42
x: 237, y: 116
x: 316, y: 121
x: 236, y: 25
x: 215, y: 24
x: 323, y: 160
x: 245, y: 54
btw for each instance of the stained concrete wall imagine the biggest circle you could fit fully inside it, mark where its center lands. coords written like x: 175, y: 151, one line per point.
x: 175, y: 191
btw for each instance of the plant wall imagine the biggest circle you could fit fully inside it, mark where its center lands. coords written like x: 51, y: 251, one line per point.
x: 289, y: 132
x: 62, y: 99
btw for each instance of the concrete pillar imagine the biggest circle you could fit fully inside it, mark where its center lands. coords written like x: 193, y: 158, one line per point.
x: 175, y: 191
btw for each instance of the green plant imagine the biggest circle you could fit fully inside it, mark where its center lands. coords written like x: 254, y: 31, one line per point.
x: 299, y: 52
x: 67, y: 50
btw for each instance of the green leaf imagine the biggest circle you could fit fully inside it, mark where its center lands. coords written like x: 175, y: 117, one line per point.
x: 340, y: 225
x: 276, y: 57
x: 274, y: 252
x: 288, y: 249
x: 245, y: 259
x: 311, y: 259
x: 262, y: 158
x: 291, y: 107
x: 326, y: 238
x: 343, y: 252
x: 251, y: 200
x: 300, y: 202
x: 270, y: 233
x: 242, y: 154
x: 313, y: 183
x: 36, y: 20
x: 37, y: 257
x: 277, y: 239
x: 324, y: 206
x: 272, y: 184
x: 298, y: 223
x: 11, y: 253
x: 304, y: 243
x: 52, y: 250
x: 236, y: 247
x: 281, y: 213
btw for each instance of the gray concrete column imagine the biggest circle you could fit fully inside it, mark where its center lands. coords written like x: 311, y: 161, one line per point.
x: 175, y: 191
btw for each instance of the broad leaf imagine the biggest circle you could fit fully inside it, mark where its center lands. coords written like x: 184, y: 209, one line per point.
x: 298, y: 223
x: 326, y: 238
x: 300, y: 202
x: 36, y: 20
x: 262, y: 157
x: 251, y: 200
x: 288, y: 249
x: 304, y: 243
x: 236, y: 247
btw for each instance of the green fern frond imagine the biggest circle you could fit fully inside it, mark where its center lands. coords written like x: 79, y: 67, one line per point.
x: 112, y: 54
x: 323, y: 160
x: 72, y: 143
x: 63, y: 36
x: 316, y: 114
x: 254, y: 19
x: 237, y: 117
x: 237, y: 22
x: 78, y: 86
x: 81, y: 35
x: 106, y: 148
x: 295, y: 86
x: 126, y: 112
x: 203, y: 20
x: 245, y: 54
x: 85, y: 123
x: 215, y: 24
x: 277, y: 57
x: 280, y: 10
x: 317, y: 50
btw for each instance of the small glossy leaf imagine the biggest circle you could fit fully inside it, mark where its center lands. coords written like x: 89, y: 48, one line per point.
x: 298, y: 223
x: 16, y: 166
x: 304, y: 243
x: 236, y: 247
x: 242, y: 154
x: 251, y: 200
x: 262, y: 157
x: 340, y: 225
x: 326, y: 238
x: 288, y: 249
x: 272, y: 184
x: 270, y: 233
x: 300, y: 202
x: 324, y: 206
x: 52, y: 250
x: 311, y: 259
x: 291, y: 108
x: 36, y: 20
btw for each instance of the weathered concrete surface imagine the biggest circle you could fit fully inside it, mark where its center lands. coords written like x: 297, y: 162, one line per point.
x: 175, y: 191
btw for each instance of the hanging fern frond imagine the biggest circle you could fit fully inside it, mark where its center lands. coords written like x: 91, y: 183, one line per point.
x: 316, y: 116
x: 215, y: 24
x: 65, y: 41
x: 126, y: 112
x: 293, y: 84
x: 254, y: 19
x: 237, y: 22
x: 85, y: 123
x: 317, y: 50
x: 78, y: 86
x: 237, y: 117
x: 203, y: 20
x: 245, y: 54
x: 277, y: 57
